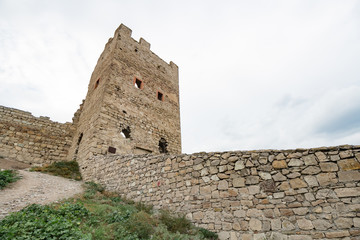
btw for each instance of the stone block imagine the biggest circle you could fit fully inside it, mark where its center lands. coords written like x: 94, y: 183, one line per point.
x: 239, y: 165
x: 309, y: 160
x: 224, y: 235
x: 295, y: 163
x: 305, y: 224
x: 321, y: 156
x: 297, y: 183
x: 337, y: 234
x: 321, y: 224
x: 349, y: 176
x: 343, y: 223
x: 329, y: 167
x: 275, y: 224
x: 223, y: 185
x: 279, y: 164
x: 311, y: 181
x: 255, y: 224
x: 239, y: 182
x: 348, y: 192
x: 356, y: 222
x: 311, y: 170
x: 265, y: 175
x: 252, y: 180
x: 279, y: 177
x: 326, y: 179
x: 349, y: 164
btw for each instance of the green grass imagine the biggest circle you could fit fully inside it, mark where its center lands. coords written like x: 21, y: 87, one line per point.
x: 6, y: 177
x: 99, y: 215
x: 63, y: 169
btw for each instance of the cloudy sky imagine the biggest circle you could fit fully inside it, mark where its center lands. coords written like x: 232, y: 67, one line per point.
x: 253, y: 74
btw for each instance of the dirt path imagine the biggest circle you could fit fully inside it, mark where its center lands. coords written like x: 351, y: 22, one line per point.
x: 35, y: 187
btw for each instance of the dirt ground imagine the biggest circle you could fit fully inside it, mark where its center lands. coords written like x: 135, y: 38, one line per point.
x: 34, y: 187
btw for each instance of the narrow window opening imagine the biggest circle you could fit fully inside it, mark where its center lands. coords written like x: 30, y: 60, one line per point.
x: 138, y: 83
x: 112, y: 150
x: 160, y: 96
x: 163, y: 146
x: 125, y: 132
x: 124, y: 112
x: 136, y: 50
x: 77, y: 145
x: 97, y: 83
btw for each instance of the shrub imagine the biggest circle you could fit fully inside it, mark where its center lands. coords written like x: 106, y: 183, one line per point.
x: 141, y: 224
x: 64, y: 169
x: 91, y: 189
x: 208, y: 234
x: 175, y: 223
x: 7, y: 176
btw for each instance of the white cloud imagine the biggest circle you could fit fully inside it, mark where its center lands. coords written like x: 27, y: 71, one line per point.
x: 253, y: 74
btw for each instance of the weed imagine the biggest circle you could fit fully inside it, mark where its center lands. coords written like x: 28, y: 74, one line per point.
x: 7, y: 176
x: 208, y: 234
x: 141, y: 224
x: 91, y: 189
x: 63, y: 169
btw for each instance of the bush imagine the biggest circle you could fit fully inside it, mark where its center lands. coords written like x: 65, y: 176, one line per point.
x: 174, y: 223
x: 6, y: 177
x: 208, y: 234
x: 62, y: 169
x: 141, y: 224
x: 91, y: 189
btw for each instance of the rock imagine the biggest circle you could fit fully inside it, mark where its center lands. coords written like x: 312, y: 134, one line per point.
x: 287, y: 225
x: 329, y: 167
x: 259, y: 236
x: 326, y: 178
x: 255, y: 224
x: 297, y: 183
x: 311, y: 181
x: 275, y: 224
x: 348, y: 192
x: 344, y: 223
x: 277, y: 236
x: 337, y: 234
x: 239, y: 165
x: 349, y: 164
x: 223, y: 235
x: 252, y: 180
x: 300, y: 237
x: 346, y: 154
x: 300, y: 211
x: 280, y: 156
x: 279, y: 164
x: 357, y: 222
x: 265, y: 175
x: 223, y: 185
x: 311, y: 170
x: 349, y: 176
x: 268, y: 186
x: 321, y: 156
x: 239, y: 182
x: 305, y: 224
x: 295, y: 163
x: 310, y: 160
x: 240, y: 213
x: 321, y: 224
x: 278, y: 177
x: 293, y: 175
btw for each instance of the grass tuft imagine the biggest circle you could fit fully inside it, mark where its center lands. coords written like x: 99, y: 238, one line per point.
x: 7, y: 176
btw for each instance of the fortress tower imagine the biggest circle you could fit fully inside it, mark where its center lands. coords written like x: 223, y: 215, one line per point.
x: 132, y: 103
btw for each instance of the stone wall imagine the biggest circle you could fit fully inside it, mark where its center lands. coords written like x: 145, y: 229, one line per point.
x: 33, y: 140
x: 266, y: 194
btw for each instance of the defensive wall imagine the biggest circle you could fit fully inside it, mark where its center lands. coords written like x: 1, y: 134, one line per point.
x: 34, y: 140
x: 265, y: 194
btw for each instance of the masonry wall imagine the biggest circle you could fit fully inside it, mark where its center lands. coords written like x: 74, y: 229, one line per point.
x: 290, y: 194
x: 33, y: 140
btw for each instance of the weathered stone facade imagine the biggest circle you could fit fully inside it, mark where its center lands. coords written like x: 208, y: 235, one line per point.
x: 289, y: 194
x: 33, y: 140
x: 132, y: 104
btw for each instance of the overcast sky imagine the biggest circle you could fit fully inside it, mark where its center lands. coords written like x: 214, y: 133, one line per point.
x: 253, y: 74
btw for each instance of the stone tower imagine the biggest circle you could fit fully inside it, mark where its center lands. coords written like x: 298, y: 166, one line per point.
x: 132, y: 103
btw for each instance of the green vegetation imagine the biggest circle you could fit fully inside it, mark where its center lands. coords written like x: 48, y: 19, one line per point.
x: 99, y: 215
x: 7, y: 176
x: 63, y: 169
